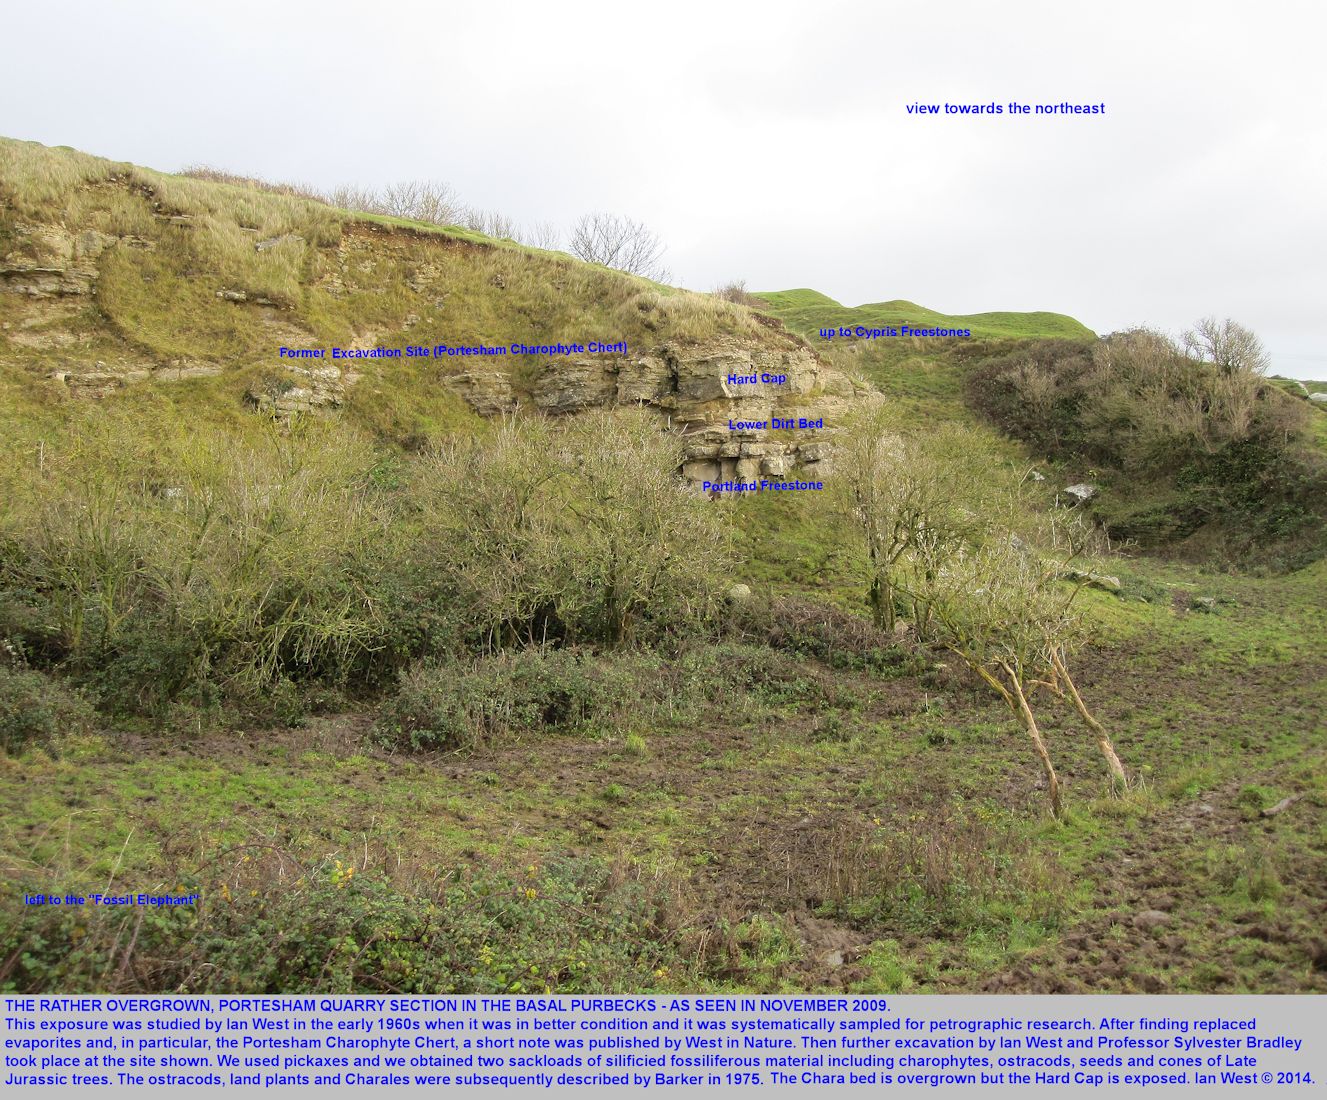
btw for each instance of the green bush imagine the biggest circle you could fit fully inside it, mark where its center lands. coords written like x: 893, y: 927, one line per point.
x: 148, y: 669
x: 582, y: 535
x: 163, y: 560
x: 458, y: 706
x: 164, y: 563
x: 564, y: 927
x: 719, y: 672
x: 1226, y: 443
x: 38, y: 710
x: 26, y: 622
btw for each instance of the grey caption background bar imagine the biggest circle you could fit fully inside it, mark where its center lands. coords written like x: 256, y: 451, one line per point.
x: 1291, y: 1017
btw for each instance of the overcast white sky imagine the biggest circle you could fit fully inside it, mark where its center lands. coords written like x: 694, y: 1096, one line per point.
x: 768, y: 142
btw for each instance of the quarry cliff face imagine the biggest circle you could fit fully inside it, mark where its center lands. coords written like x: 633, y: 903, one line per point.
x: 85, y: 311
x: 743, y: 411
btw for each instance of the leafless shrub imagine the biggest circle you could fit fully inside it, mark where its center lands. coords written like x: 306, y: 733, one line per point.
x: 363, y: 199
x: 423, y: 201
x: 620, y: 243
x: 490, y: 223
x: 541, y: 235
x: 736, y: 293
x: 211, y: 174
x: 1228, y: 344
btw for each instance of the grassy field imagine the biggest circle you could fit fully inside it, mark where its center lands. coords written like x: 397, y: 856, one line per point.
x: 806, y: 311
x: 1319, y: 421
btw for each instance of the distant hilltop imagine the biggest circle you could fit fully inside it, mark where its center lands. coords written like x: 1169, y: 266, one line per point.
x: 807, y: 311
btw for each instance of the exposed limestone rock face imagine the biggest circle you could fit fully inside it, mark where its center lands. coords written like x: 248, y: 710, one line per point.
x: 100, y: 380
x: 487, y: 392
x: 702, y: 391
x: 181, y: 369
x: 301, y: 390
x: 47, y: 323
x: 570, y: 385
x: 55, y: 270
x: 646, y: 380
x: 50, y: 261
x: 746, y: 406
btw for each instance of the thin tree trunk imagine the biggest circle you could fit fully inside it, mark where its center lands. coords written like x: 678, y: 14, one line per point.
x: 1052, y: 781
x: 882, y: 604
x: 1117, y: 772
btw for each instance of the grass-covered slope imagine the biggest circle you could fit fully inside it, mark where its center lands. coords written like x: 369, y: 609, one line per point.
x: 806, y: 311
x: 189, y: 288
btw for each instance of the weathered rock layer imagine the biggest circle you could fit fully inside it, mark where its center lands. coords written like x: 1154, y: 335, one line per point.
x: 741, y: 410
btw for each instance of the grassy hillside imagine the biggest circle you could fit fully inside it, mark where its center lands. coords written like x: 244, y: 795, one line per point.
x: 1247, y: 502
x: 165, y: 287
x: 806, y: 311
x: 1318, y: 421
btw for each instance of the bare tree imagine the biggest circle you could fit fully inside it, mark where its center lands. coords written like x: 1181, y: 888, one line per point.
x: 1228, y: 344
x: 490, y: 223
x: 914, y: 495
x: 1005, y: 612
x: 423, y: 201
x: 401, y: 199
x: 541, y: 235
x: 635, y: 544
x: 484, y: 513
x: 621, y: 243
x: 365, y: 199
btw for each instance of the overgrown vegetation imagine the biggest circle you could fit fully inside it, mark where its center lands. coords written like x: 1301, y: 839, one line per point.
x: 365, y: 682
x: 528, y: 692
x: 191, y: 286
x: 187, y: 568
x: 735, y: 291
x: 606, y: 239
x: 1218, y: 443
x: 945, y: 869
x: 941, y: 522
x: 275, y: 925
x: 38, y: 711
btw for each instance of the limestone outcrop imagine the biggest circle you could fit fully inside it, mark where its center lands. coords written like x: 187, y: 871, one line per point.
x: 301, y: 390
x: 489, y: 393
x: 744, y: 411
x: 52, y: 261
x: 54, y: 270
